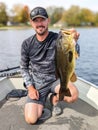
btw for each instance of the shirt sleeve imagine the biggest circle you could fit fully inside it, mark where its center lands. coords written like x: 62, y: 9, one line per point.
x: 24, y: 65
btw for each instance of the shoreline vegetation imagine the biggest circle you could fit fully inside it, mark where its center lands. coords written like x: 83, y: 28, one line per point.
x: 15, y: 27
x: 21, y: 27
x: 18, y: 17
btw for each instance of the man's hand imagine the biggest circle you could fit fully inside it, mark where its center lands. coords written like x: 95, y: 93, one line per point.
x: 75, y: 34
x: 33, y: 93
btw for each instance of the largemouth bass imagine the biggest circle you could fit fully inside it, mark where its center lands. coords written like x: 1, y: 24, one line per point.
x: 65, y: 61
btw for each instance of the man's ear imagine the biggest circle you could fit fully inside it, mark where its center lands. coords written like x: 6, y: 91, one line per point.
x: 49, y: 20
x: 30, y: 21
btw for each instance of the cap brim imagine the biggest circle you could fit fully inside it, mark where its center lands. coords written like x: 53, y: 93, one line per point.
x: 39, y: 16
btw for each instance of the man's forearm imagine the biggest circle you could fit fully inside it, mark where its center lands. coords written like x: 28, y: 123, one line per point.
x: 26, y: 76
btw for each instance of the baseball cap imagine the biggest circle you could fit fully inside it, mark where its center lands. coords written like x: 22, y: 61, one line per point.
x: 38, y: 12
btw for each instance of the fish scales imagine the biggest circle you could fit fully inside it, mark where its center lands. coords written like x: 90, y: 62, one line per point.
x: 65, y: 61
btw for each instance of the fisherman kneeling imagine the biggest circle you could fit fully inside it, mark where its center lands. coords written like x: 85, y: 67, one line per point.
x: 39, y: 51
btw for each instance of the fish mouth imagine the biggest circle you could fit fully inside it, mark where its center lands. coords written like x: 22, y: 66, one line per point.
x: 66, y: 31
x: 62, y: 33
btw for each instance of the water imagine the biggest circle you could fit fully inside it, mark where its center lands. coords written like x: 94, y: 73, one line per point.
x: 87, y: 64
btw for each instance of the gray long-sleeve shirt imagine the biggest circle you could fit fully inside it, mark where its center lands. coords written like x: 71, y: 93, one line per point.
x: 41, y: 57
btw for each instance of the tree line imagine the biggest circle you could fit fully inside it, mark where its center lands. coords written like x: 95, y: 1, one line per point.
x: 74, y: 16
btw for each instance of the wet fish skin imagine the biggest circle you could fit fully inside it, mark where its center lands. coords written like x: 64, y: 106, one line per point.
x: 65, y: 61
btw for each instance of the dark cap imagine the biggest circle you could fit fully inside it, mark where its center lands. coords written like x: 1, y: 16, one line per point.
x: 38, y: 12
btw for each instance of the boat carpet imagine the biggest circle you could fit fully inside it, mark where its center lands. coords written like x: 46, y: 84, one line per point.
x: 75, y: 116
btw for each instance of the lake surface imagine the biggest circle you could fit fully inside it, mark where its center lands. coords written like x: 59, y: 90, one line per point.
x: 87, y: 64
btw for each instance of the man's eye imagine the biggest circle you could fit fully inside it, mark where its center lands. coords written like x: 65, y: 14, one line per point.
x: 35, y: 20
x: 41, y: 20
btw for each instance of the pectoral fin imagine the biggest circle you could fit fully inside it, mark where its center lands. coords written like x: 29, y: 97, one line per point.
x: 73, y: 77
x: 76, y: 55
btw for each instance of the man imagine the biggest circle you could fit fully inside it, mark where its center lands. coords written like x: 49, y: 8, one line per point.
x: 38, y: 51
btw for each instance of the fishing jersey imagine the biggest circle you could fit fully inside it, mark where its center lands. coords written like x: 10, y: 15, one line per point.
x: 41, y: 57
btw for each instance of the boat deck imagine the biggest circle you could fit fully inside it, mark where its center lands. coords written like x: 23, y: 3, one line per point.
x: 76, y: 116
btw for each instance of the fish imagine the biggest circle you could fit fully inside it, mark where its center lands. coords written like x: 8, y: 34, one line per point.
x: 65, y: 61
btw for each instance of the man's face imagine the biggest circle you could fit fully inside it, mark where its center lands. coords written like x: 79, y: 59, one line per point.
x: 40, y: 25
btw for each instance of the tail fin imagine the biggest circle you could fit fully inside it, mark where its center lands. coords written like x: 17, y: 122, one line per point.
x: 63, y: 93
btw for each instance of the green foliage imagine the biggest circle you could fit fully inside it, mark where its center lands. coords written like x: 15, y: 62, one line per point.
x: 3, y: 14
x: 55, y: 14
x: 74, y: 16
x: 96, y: 19
x: 20, y: 13
x: 87, y: 17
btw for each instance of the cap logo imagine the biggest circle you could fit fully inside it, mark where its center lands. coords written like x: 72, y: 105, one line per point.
x: 38, y: 11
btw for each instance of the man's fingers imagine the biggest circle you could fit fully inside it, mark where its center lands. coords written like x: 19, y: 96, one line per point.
x: 38, y: 94
x: 75, y: 33
x: 34, y: 95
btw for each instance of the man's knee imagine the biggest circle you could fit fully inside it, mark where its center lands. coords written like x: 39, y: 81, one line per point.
x: 33, y: 112
x: 71, y: 99
x: 31, y: 119
x: 75, y: 93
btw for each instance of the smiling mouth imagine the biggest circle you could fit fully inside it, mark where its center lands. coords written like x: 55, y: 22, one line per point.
x: 40, y: 27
